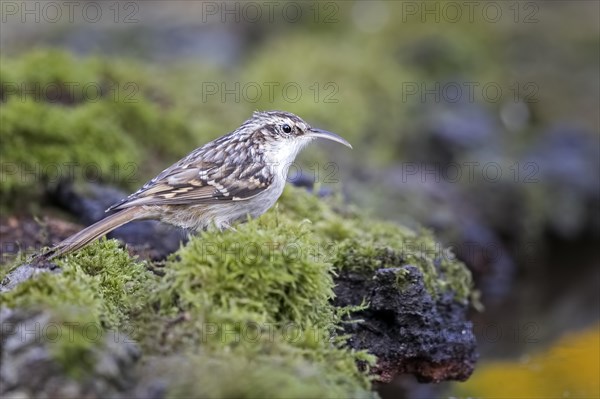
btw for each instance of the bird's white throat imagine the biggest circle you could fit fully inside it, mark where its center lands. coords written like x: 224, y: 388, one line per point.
x: 281, y: 155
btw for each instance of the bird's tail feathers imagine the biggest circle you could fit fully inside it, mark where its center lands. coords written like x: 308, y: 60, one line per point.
x: 91, y: 233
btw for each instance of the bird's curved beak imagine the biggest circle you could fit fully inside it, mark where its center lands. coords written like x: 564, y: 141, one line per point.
x: 324, y: 134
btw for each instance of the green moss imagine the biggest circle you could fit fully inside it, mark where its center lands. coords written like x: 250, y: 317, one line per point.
x: 99, y: 289
x: 265, y: 268
x: 68, y: 143
x: 101, y: 280
x: 262, y: 293
x: 271, y: 375
x: 76, y: 342
x: 357, y: 241
x: 38, y: 72
x: 84, y: 119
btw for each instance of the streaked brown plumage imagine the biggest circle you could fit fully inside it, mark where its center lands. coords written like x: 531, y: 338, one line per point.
x: 242, y: 173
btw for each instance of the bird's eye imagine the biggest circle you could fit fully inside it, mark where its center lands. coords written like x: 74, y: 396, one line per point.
x: 286, y: 128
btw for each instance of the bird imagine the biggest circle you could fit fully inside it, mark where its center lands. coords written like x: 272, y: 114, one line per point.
x: 240, y: 174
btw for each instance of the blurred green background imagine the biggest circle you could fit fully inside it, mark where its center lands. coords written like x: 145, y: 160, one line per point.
x: 478, y: 119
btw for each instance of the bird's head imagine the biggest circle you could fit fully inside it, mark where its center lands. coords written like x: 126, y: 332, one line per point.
x: 281, y: 130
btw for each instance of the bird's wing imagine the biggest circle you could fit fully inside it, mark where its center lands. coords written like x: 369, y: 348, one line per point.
x: 201, y: 182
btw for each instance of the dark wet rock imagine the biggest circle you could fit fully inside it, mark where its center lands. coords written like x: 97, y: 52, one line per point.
x: 30, y: 365
x: 409, y: 331
x: 153, y: 239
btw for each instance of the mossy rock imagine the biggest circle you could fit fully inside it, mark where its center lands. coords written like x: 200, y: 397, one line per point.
x: 101, y: 279
x: 240, y: 305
